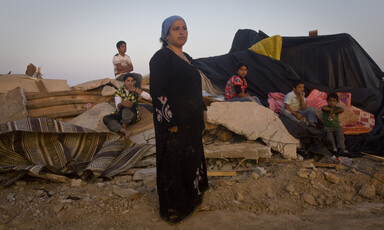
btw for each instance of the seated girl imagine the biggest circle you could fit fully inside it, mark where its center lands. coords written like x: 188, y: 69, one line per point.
x: 236, y: 88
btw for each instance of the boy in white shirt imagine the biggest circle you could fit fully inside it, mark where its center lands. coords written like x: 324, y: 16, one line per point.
x: 294, y: 105
x: 122, y: 64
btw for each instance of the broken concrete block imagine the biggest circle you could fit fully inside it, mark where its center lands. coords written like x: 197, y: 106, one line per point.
x: 76, y: 182
x: 249, y: 150
x: 145, y: 137
x: 127, y: 193
x: 368, y: 191
x: 93, y: 117
x: 144, y: 173
x: 12, y: 81
x: 108, y: 91
x: 332, y: 178
x: 116, y: 83
x: 256, y: 122
x: 261, y: 171
x: 309, y: 199
x: 55, y: 85
x: 13, y: 105
x: 91, y: 84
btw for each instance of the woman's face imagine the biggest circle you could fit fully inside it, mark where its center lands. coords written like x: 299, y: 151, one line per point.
x: 242, y: 72
x: 178, y: 34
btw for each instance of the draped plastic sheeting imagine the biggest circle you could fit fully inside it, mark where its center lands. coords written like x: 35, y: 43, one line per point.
x: 333, y: 60
x: 331, y: 63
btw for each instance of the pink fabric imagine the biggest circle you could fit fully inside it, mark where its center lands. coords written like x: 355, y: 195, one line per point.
x: 275, y: 101
x: 316, y: 99
x: 367, y: 119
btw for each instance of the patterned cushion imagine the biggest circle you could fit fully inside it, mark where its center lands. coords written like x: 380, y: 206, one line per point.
x: 356, y: 129
x: 345, y: 98
x: 367, y: 119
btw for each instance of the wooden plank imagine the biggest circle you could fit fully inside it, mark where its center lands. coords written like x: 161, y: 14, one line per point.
x: 278, y: 161
x: 324, y: 165
x: 41, y: 86
x: 59, y: 111
x: 145, y: 123
x: 51, y: 177
x: 328, y: 165
x: 252, y: 155
x: 62, y: 100
x: 374, y: 156
x: 221, y: 173
x: 31, y: 96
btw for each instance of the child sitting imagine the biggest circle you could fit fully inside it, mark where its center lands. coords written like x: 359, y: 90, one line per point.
x: 236, y: 88
x: 294, y: 105
x: 331, y: 122
x: 126, y: 102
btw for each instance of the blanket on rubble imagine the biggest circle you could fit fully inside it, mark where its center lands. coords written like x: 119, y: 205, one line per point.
x: 34, y: 145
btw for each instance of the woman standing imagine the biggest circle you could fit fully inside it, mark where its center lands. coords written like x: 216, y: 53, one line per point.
x: 178, y: 116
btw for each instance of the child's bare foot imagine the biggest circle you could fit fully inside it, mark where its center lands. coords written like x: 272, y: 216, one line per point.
x: 127, y: 134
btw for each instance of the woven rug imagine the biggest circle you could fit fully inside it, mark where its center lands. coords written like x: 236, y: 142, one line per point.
x: 35, y: 145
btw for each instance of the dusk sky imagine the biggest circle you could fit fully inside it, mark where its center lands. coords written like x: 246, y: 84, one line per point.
x: 76, y: 40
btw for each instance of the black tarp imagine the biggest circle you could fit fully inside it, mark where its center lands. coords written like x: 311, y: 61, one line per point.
x: 331, y: 63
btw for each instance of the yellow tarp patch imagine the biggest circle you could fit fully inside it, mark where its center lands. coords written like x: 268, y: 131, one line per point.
x: 270, y: 47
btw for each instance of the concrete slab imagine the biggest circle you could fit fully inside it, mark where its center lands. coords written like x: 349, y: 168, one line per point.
x: 13, y: 105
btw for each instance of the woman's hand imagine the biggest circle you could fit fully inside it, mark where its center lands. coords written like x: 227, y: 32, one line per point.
x: 173, y: 129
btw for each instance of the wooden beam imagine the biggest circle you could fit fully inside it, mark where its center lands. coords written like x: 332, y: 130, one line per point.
x: 221, y: 173
x: 374, y: 156
x: 59, y: 111
x: 62, y: 100
x: 328, y: 165
x: 51, y: 177
x: 41, y: 86
x: 31, y: 96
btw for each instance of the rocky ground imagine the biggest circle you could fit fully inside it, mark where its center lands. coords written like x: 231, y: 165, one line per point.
x: 273, y: 194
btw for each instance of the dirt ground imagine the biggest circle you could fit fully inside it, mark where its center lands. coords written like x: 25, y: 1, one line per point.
x: 269, y: 195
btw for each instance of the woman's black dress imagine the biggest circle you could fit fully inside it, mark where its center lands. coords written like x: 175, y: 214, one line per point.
x: 177, y: 100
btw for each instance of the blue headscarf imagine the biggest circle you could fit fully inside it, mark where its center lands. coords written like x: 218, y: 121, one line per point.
x: 167, y: 24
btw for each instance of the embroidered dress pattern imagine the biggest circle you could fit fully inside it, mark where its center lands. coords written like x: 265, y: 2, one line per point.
x: 230, y: 91
x: 165, y: 111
